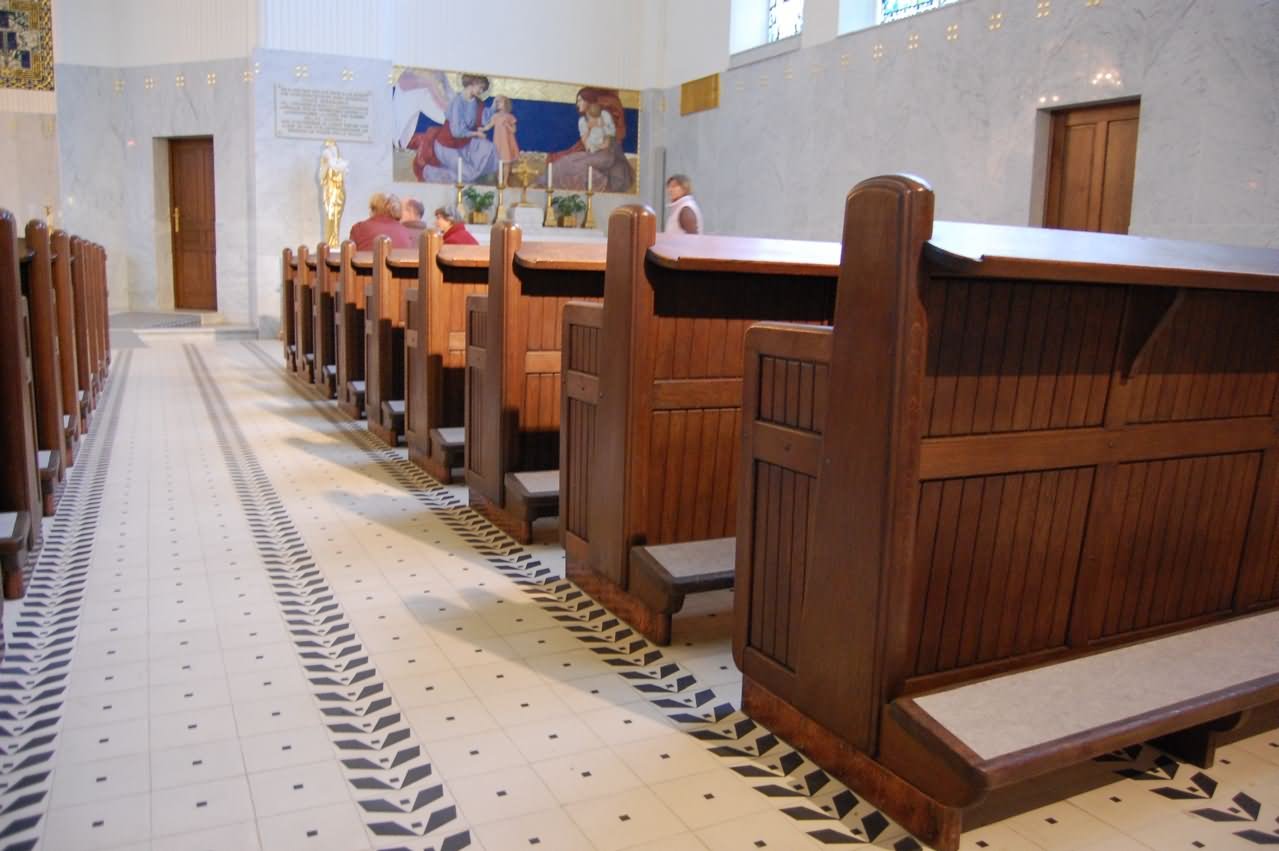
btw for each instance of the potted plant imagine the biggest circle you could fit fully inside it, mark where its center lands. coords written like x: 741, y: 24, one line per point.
x: 567, y: 208
x: 479, y: 202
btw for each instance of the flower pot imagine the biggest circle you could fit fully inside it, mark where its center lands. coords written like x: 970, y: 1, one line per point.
x: 567, y: 221
x: 477, y: 218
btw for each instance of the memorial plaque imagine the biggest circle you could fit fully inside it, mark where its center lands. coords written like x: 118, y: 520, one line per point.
x: 343, y: 116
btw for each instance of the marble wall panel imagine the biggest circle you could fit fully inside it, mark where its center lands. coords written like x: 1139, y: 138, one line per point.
x: 957, y: 97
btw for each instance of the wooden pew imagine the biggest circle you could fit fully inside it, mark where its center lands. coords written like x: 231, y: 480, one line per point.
x: 19, y: 484
x: 288, y: 307
x: 80, y: 284
x: 303, y: 315
x: 435, y: 352
x: 1010, y: 514
x: 355, y: 270
x: 327, y: 267
x: 513, y: 374
x: 64, y: 297
x: 95, y: 281
x: 652, y: 403
x: 392, y: 274
x: 36, y: 270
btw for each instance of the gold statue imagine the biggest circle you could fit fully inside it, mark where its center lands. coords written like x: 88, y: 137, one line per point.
x: 332, y: 191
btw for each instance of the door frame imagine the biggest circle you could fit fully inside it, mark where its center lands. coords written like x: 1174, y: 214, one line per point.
x: 171, y: 206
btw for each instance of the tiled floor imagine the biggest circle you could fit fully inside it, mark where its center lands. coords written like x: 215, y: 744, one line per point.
x: 282, y: 636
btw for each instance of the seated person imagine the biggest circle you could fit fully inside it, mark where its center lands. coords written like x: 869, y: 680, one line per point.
x: 383, y: 220
x: 411, y: 218
x: 450, y: 224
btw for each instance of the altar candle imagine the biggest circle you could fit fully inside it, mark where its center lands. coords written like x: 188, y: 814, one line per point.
x: 589, y: 175
x: 499, y: 172
x: 550, y: 169
x: 459, y: 170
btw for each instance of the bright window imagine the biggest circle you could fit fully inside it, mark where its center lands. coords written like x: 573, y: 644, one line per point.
x: 785, y: 19
x: 892, y: 10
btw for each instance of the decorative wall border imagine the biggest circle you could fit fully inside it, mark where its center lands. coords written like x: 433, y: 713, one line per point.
x: 37, y: 663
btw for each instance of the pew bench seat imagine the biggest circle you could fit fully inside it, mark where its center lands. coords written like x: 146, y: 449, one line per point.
x: 530, y: 496
x: 48, y: 465
x: 661, y: 576
x: 393, y: 413
x: 355, y: 387
x: 1181, y: 690
x: 448, y: 451
x: 330, y: 378
x: 14, y: 528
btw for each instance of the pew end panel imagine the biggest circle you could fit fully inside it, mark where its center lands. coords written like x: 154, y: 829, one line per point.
x: 529, y: 285
x: 81, y: 282
x: 37, y: 280
x: 324, y: 333
x: 303, y: 315
x: 435, y: 369
x: 391, y: 274
x: 1048, y: 454
x: 19, y: 479
x: 663, y: 462
x: 15, y: 531
x: 62, y: 259
x: 357, y: 271
x: 288, y: 308
x: 579, y: 395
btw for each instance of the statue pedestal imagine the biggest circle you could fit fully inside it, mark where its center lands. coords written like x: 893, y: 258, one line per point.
x: 526, y: 217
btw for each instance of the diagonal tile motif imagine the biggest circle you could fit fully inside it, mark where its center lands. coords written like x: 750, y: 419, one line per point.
x: 395, y: 784
x: 42, y: 633
x: 827, y: 810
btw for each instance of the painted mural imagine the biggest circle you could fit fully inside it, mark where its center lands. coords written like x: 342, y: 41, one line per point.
x: 453, y: 127
x: 26, y: 45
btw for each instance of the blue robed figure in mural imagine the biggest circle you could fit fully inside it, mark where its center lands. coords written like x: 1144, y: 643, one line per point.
x: 457, y: 149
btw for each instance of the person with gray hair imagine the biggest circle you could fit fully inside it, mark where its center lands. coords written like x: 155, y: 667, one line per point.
x: 411, y: 218
x: 682, y: 213
x: 449, y: 223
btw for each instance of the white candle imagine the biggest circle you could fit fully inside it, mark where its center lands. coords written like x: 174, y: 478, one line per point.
x: 550, y: 169
x: 499, y: 172
x: 589, y: 175
x: 459, y: 169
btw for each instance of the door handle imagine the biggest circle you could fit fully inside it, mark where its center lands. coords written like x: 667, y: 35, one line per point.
x: 177, y: 220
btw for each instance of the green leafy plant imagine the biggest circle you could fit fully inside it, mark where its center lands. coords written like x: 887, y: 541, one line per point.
x: 567, y: 206
x: 478, y: 200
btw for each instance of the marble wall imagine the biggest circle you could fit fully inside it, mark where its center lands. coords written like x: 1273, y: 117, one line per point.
x: 115, y: 181
x: 28, y: 165
x: 958, y: 96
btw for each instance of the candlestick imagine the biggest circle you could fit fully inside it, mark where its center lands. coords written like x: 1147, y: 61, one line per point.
x: 589, y: 221
x: 501, y: 196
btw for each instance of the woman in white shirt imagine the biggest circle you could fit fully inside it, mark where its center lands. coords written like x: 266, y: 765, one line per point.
x: 682, y: 213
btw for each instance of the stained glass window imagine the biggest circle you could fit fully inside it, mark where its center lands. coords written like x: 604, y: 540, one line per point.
x: 892, y: 10
x: 785, y: 19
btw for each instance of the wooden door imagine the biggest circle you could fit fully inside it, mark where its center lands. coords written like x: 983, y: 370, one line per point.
x: 1092, y: 158
x: 191, y: 219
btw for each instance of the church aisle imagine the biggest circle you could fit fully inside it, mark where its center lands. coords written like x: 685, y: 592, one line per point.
x: 281, y: 635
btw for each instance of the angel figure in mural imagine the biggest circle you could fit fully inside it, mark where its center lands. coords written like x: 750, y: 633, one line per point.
x: 454, y: 146
x: 332, y: 177
x: 601, y: 126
